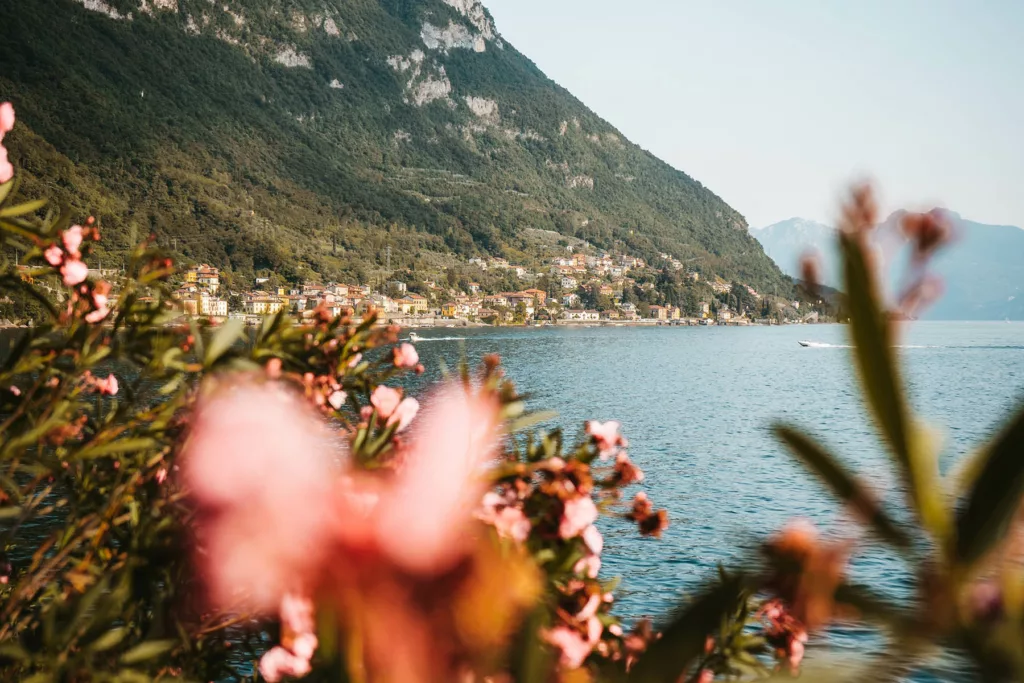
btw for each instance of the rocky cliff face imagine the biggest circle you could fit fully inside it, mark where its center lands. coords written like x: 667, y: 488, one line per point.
x: 303, y: 135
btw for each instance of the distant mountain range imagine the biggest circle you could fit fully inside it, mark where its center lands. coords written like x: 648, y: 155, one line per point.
x: 983, y: 269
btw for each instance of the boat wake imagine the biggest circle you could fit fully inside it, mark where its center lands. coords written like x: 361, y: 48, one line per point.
x: 420, y: 340
x: 823, y: 345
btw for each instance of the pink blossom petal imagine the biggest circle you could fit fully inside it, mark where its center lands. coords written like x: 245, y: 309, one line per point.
x: 406, y: 356
x: 74, y: 272
x: 424, y: 526
x: 385, y: 400
x: 337, y: 399
x: 72, y: 238
x: 53, y: 255
x: 404, y: 413
x: 278, y: 663
x: 6, y: 118
x: 593, y: 539
x: 573, y: 648
x: 578, y: 513
x: 260, y: 462
x: 590, y: 609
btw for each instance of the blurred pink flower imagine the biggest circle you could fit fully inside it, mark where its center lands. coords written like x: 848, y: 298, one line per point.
x: 74, y: 272
x: 273, y: 368
x: 161, y: 475
x: 107, y: 386
x: 705, y: 676
x: 508, y: 520
x: 337, y: 399
x: 6, y: 118
x: 385, y: 400
x: 406, y: 356
x: 606, y: 436
x: 53, y: 255
x: 258, y: 461
x: 14, y: 390
x: 404, y: 413
x: 589, y: 566
x: 278, y: 663
x: 593, y: 539
x: 578, y: 513
x: 424, y: 524
x: 72, y: 238
x: 590, y: 609
x: 573, y: 648
x: 297, y: 612
x: 354, y: 360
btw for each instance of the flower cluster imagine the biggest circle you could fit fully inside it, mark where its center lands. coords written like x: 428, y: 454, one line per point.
x: 393, y: 550
x: 550, y: 504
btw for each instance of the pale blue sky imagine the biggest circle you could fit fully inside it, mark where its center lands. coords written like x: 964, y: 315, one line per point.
x: 776, y: 104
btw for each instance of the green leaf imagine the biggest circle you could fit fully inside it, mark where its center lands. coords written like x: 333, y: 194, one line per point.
x: 147, y: 650
x: 120, y: 446
x: 109, y: 639
x: 22, y: 209
x: 879, y: 375
x: 682, y: 641
x: 842, y: 483
x: 995, y: 495
x: 223, y: 339
x: 530, y: 419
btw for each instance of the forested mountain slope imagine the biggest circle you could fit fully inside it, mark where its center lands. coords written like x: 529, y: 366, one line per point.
x: 303, y: 137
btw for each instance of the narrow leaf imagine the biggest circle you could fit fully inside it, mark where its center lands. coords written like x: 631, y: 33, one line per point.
x: 227, y: 334
x: 842, y: 483
x: 147, y: 650
x: 682, y: 641
x: 22, y: 209
x: 995, y: 496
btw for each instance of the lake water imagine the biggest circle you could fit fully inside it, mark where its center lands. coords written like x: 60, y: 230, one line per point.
x: 696, y: 404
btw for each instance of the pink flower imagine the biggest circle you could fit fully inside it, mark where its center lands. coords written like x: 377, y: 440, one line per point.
x: 615, y: 630
x: 578, y: 513
x: 14, y: 390
x: 6, y: 118
x: 6, y: 168
x: 404, y: 413
x: 354, y: 360
x: 296, y: 613
x: 278, y: 662
x: 72, y: 238
x: 706, y: 676
x: 606, y: 436
x: 107, y: 386
x: 385, y: 400
x: 593, y: 540
x: 273, y: 368
x: 74, y: 272
x: 259, y: 464
x: 425, y: 522
x: 161, y: 475
x: 406, y: 356
x: 589, y: 566
x: 508, y: 520
x: 573, y: 648
x: 796, y: 651
x: 590, y: 609
x: 53, y: 255
x: 337, y: 399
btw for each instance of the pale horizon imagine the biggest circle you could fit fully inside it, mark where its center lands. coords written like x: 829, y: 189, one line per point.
x: 778, y: 107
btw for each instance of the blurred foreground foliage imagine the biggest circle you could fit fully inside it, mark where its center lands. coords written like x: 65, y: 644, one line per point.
x: 100, y: 535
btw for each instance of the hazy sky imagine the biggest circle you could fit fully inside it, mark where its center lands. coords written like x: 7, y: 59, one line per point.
x: 776, y: 105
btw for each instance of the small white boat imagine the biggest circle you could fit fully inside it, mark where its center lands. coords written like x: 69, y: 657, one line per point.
x: 413, y: 337
x: 804, y: 343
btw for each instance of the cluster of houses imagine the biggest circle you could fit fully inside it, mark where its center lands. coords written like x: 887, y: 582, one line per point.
x: 597, y: 277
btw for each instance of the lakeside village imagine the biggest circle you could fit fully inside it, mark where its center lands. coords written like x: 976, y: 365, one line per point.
x: 576, y: 289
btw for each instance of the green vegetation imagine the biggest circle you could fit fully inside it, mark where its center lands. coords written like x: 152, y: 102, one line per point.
x: 182, y: 125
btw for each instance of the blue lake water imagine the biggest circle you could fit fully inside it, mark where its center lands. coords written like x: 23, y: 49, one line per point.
x: 696, y: 405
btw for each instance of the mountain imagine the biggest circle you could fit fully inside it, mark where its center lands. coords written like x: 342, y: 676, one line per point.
x: 305, y: 137
x: 787, y: 241
x: 982, y: 269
